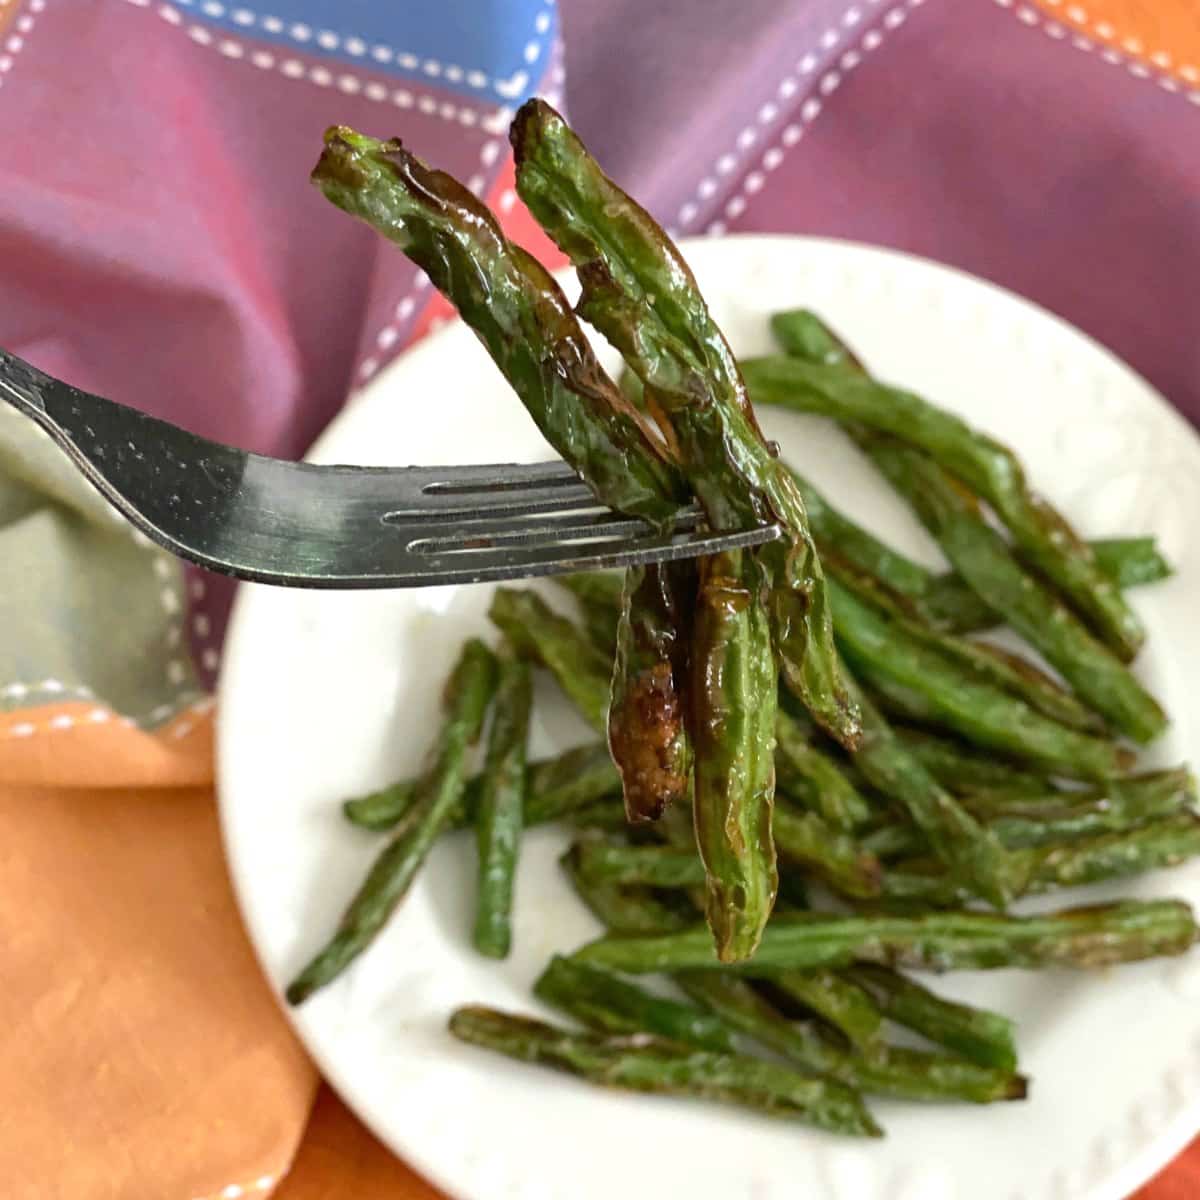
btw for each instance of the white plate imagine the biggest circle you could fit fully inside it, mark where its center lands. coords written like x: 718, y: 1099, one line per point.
x: 327, y: 695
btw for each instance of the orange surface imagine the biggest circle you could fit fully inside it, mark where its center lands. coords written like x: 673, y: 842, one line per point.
x: 1163, y: 34
x: 1179, y: 1181
x: 339, y: 1158
x: 143, y: 1054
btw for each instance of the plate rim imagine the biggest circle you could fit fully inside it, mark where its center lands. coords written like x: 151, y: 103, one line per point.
x: 1124, y: 1178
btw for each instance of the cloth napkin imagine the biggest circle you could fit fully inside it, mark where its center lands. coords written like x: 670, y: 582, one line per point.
x: 160, y: 245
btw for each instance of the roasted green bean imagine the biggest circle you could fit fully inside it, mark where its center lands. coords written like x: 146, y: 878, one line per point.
x: 500, y: 815
x: 644, y: 1063
x: 536, y: 631
x: 555, y: 787
x: 515, y: 309
x: 975, y: 1033
x: 886, y: 1070
x: 984, y: 560
x: 878, y: 648
x: 1097, y: 936
x: 640, y: 294
x: 647, y: 717
x: 841, y: 391
x: 610, y: 1004
x: 467, y: 694
x: 734, y: 693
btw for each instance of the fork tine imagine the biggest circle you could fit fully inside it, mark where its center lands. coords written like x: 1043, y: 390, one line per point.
x: 501, y: 477
x: 529, y: 562
x: 489, y: 488
x: 440, y: 506
x: 558, y: 529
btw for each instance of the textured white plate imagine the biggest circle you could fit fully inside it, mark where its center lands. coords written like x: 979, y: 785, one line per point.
x: 326, y: 695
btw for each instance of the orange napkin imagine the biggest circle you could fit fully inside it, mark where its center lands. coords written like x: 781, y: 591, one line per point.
x: 142, y: 1052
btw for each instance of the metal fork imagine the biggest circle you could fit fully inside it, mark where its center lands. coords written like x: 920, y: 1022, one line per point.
x: 303, y: 525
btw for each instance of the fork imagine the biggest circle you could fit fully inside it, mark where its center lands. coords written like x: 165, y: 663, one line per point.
x: 315, y: 526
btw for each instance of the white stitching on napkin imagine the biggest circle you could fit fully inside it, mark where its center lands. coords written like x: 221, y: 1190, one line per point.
x: 1053, y: 29
x: 1104, y: 30
x: 769, y: 111
x: 809, y: 111
x: 192, y: 716
x: 165, y: 571
x: 322, y: 76
x: 50, y: 687
x: 328, y: 40
x: 202, y: 624
x: 15, y: 42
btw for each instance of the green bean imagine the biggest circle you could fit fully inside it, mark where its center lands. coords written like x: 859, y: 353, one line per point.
x: 600, y: 602
x: 515, y: 309
x: 384, y: 809
x: 603, y: 816
x: 906, y: 704
x: 640, y: 294
x: 972, y: 853
x: 568, y: 782
x: 841, y: 391
x: 962, y: 769
x: 981, y: 661
x: 1008, y: 774
x: 1163, y: 843
x: 538, y: 633
x: 610, y: 1004
x: 734, y: 691
x: 802, y: 765
x: 983, y: 1037
x: 467, y: 694
x: 1037, y: 819
x: 1129, y: 562
x: 1166, y: 842
x: 1096, y: 936
x: 803, y: 838
x: 894, y: 840
x: 833, y: 857
x: 617, y: 863
x: 946, y: 602
x: 877, y: 648
x: 887, y: 1070
x: 599, y: 588
x: 804, y: 335
x: 1119, y: 804
x: 622, y: 909
x: 643, y: 1063
x: 838, y: 1001
x: 984, y: 560
x: 647, y: 731
x: 837, y: 534
x: 500, y: 815
x: 554, y: 787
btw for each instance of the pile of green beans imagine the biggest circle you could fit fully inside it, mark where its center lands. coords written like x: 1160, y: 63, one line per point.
x: 811, y: 781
